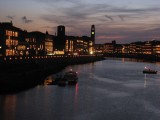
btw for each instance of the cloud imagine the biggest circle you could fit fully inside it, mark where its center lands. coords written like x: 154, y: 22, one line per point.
x: 25, y: 20
x: 111, y: 37
x: 97, y: 13
x: 119, y: 22
x: 109, y: 17
x: 124, y: 35
x: 53, y: 1
x: 10, y: 17
x: 121, y: 17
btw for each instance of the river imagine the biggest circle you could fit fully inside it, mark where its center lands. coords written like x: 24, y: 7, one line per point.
x: 112, y: 89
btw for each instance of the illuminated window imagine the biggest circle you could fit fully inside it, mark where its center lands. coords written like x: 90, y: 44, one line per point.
x: 11, y: 42
x: 27, y: 40
x: 90, y: 43
x: 10, y: 52
x: 21, y: 47
x: 14, y: 42
x: 10, y: 33
x: 27, y: 53
x: 67, y: 45
x: 16, y: 34
x: 21, y: 52
x: 59, y: 52
x: 8, y: 42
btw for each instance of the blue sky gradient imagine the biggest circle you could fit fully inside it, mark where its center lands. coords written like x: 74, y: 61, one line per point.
x: 124, y: 21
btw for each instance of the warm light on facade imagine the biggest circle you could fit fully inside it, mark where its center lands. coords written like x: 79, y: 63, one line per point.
x: 79, y: 41
x: 48, y: 47
x: 91, y: 52
x: 59, y: 52
x: 10, y: 52
x: 90, y: 43
x: 123, y: 50
x: 11, y: 42
x: 11, y: 33
x: 66, y: 45
x: 156, y: 49
x: 21, y: 47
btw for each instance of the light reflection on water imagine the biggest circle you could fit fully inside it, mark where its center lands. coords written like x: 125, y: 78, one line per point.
x: 113, y: 89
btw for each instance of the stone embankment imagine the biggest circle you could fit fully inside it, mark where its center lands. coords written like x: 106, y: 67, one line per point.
x: 17, y: 75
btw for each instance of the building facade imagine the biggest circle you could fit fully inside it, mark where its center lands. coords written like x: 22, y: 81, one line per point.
x: 40, y: 43
x: 10, y: 37
x: 16, y: 42
x: 77, y: 45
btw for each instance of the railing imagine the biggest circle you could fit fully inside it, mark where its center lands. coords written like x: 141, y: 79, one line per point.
x: 34, y: 58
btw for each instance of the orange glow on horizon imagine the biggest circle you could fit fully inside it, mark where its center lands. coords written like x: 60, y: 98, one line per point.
x: 111, y: 37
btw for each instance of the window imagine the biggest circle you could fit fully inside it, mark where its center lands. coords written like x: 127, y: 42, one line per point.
x: 10, y: 52
x: 8, y: 42
x: 16, y: 34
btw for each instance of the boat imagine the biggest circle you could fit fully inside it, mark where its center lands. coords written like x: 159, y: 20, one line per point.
x: 50, y: 81
x: 71, y: 77
x: 60, y: 80
x: 149, y: 71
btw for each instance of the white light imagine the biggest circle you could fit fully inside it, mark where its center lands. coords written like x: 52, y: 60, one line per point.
x: 50, y: 54
x: 91, y: 52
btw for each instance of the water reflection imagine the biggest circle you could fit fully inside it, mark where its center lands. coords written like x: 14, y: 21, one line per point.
x: 76, y: 98
x: 49, y: 80
x: 9, y: 105
x: 112, y: 89
x: 145, y: 80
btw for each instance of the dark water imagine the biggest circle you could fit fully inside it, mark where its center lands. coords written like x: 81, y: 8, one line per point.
x: 113, y: 89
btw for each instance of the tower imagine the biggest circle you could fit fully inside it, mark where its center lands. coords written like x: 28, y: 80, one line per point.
x: 93, y: 33
x: 61, y: 38
x: 61, y: 31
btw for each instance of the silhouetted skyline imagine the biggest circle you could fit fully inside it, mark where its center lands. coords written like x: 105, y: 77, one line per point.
x: 124, y: 21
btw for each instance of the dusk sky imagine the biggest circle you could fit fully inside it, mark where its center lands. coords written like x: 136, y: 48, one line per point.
x: 122, y: 20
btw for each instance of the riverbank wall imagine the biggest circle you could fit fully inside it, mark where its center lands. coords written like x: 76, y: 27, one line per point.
x: 21, y: 74
x: 143, y: 57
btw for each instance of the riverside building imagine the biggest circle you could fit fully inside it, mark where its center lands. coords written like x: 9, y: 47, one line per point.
x: 17, y: 42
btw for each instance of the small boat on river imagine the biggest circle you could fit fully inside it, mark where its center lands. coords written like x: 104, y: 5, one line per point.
x: 49, y: 82
x: 71, y: 77
x: 60, y: 80
x: 149, y: 71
